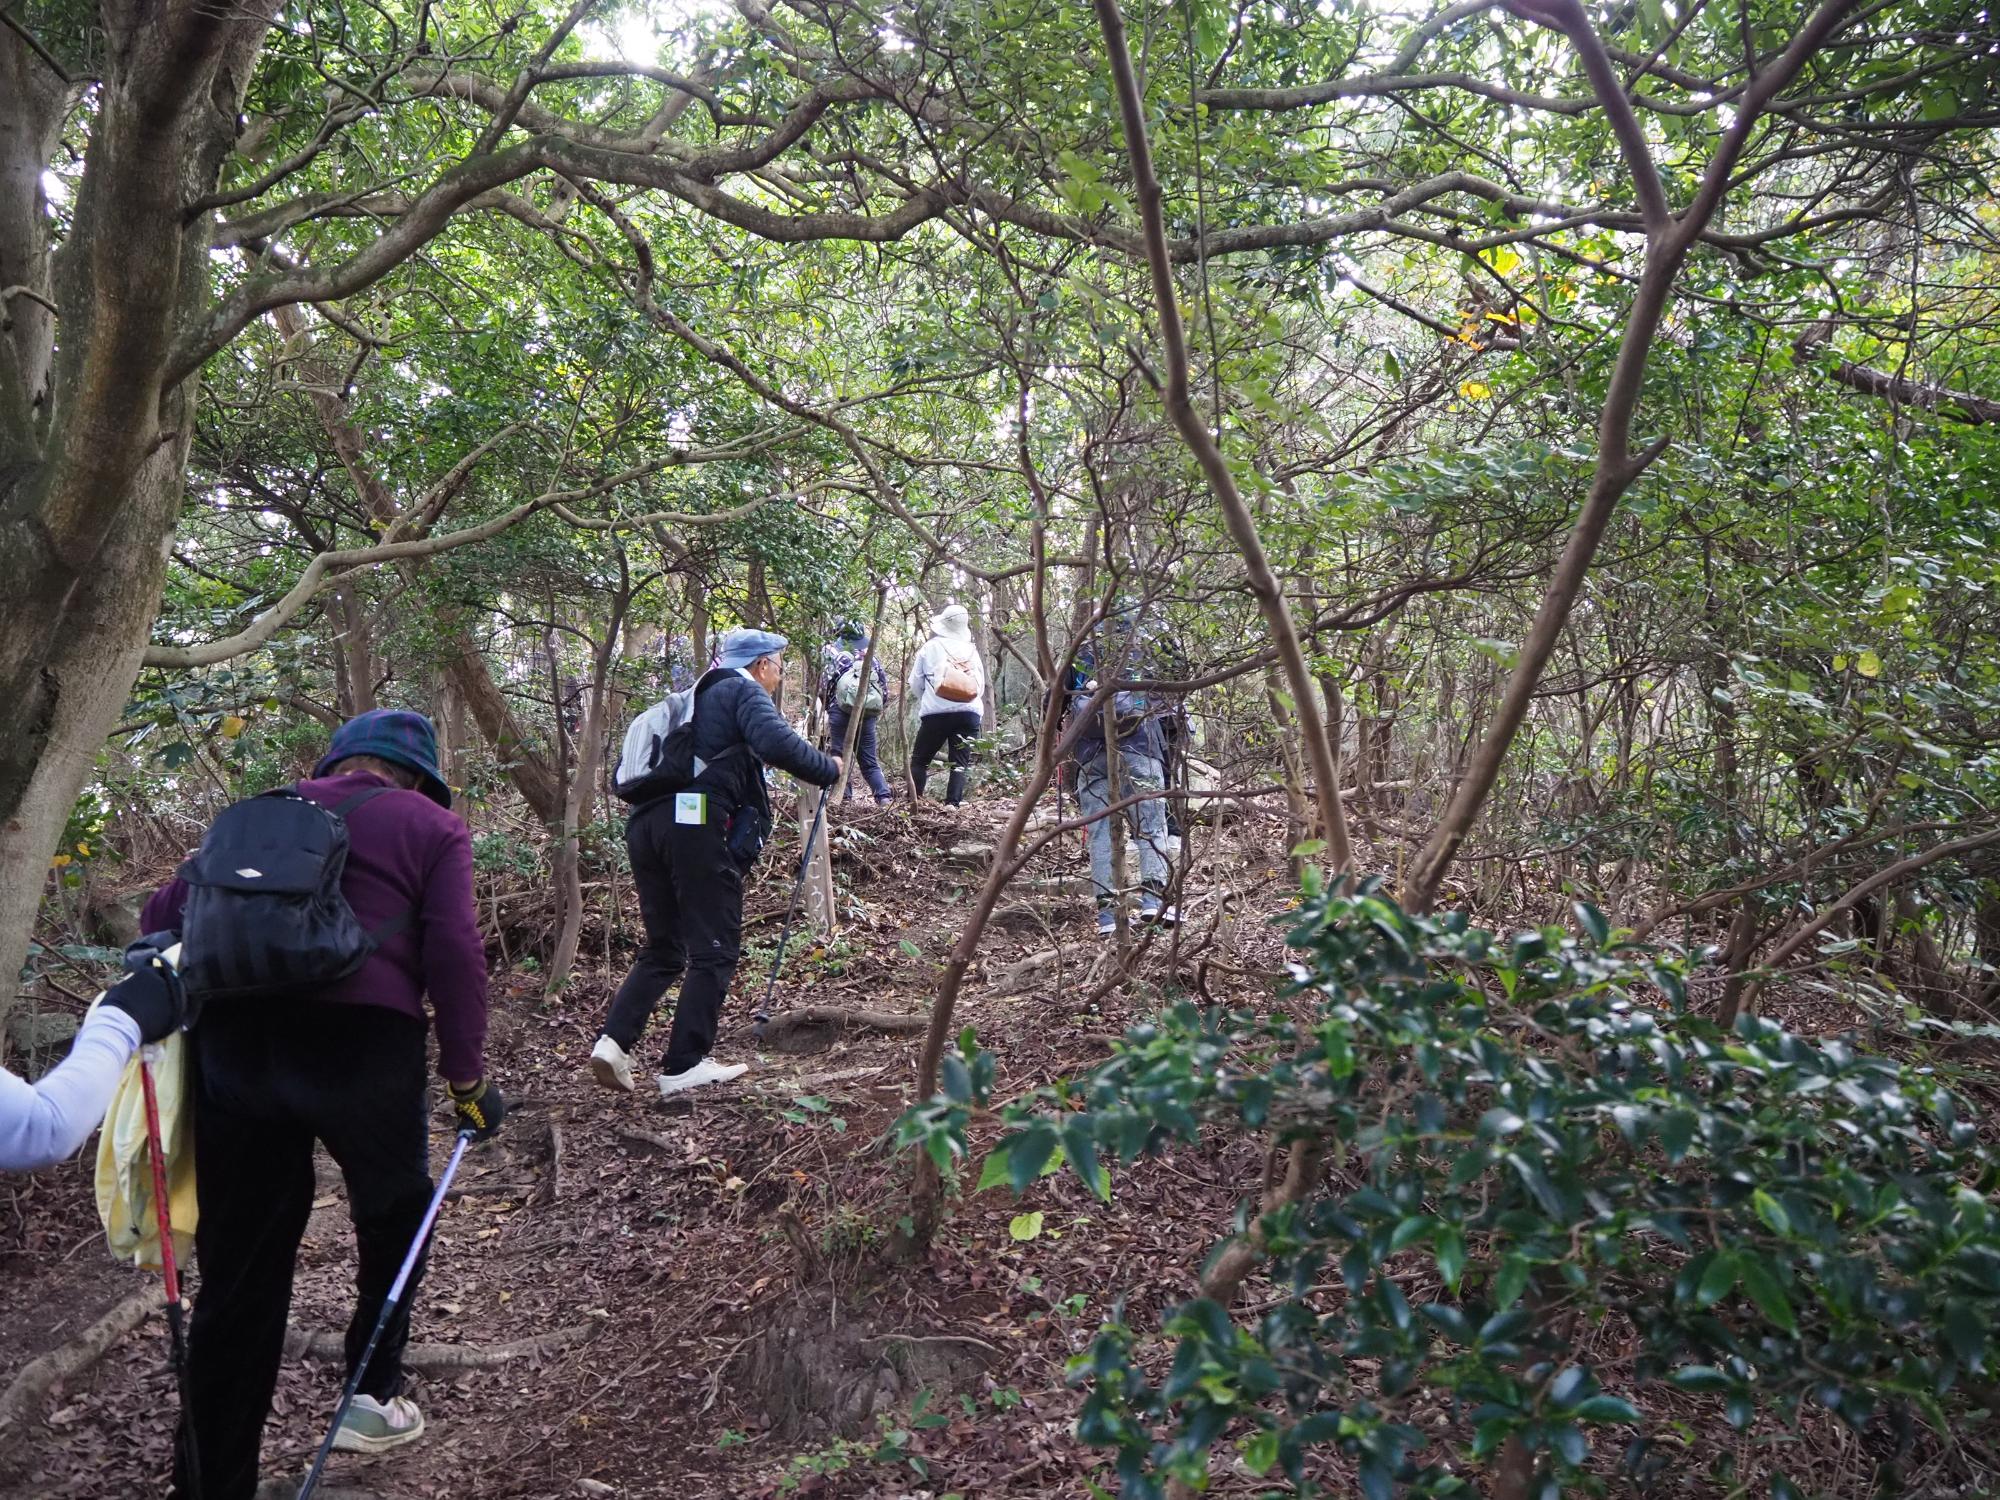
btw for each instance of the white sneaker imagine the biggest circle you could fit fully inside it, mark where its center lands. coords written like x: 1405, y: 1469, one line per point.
x: 372, y: 1426
x: 708, y: 1070
x: 611, y: 1065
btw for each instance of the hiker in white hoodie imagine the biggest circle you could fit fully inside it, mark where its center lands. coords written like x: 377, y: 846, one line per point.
x: 948, y: 682
x: 43, y: 1123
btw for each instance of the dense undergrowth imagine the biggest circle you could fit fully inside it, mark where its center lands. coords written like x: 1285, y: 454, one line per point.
x: 1554, y: 1196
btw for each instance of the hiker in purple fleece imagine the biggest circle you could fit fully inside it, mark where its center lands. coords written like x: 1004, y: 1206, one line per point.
x: 343, y: 1065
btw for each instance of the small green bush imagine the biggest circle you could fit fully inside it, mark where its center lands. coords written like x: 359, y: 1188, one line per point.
x: 1538, y: 1133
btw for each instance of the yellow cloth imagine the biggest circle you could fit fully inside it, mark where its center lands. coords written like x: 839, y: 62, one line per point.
x: 125, y: 1167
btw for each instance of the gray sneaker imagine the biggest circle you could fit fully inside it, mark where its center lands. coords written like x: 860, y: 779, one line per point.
x: 372, y: 1426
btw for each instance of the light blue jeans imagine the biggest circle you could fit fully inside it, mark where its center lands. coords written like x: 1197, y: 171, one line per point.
x: 1148, y: 819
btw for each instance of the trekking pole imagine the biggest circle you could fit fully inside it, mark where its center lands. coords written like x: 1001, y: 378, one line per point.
x: 762, y: 1015
x: 388, y: 1306
x: 176, y: 1326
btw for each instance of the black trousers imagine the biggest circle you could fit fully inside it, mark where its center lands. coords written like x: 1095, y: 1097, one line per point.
x: 691, y: 897
x: 270, y: 1078
x: 933, y: 730
x: 864, y: 752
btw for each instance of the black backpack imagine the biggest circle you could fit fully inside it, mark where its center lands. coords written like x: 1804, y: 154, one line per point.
x: 265, y: 915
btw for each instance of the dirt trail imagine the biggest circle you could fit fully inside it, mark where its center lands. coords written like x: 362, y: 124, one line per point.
x: 648, y: 1245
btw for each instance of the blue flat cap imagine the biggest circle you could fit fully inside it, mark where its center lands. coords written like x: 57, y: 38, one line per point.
x: 397, y: 736
x: 741, y: 647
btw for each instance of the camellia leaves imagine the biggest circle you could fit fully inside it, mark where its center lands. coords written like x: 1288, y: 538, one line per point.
x: 1717, y: 1282
x: 1761, y: 1285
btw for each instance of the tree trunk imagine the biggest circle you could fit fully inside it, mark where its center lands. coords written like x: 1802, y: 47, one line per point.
x: 697, y: 603
x: 580, y: 795
x: 529, y: 770
x: 93, y: 441
x: 817, y: 897
x: 31, y: 111
x: 1298, y: 806
x: 91, y: 668
x: 353, y: 653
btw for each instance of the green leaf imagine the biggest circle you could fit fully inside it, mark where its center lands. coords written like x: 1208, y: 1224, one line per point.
x: 910, y: 949
x: 1031, y: 1148
x: 1594, y: 922
x: 1449, y: 1248
x: 994, y: 1172
x: 1081, y: 1148
x: 957, y: 1079
x: 1761, y: 1285
x: 1026, y: 1226
x: 1407, y: 1233
x: 1605, y: 1409
x: 1677, y: 1129
x: 1568, y: 1386
x: 1716, y: 1281
x: 1260, y: 1452
x: 1771, y: 1211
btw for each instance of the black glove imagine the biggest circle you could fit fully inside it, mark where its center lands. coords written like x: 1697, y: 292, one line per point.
x: 152, y: 996
x: 480, y: 1108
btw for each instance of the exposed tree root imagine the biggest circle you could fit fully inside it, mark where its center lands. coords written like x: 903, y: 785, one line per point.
x: 1025, y: 975
x: 646, y: 1140
x: 40, y: 1377
x: 447, y: 1359
x: 814, y: 1028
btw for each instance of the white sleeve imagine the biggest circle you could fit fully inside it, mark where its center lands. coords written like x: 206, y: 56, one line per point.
x: 46, y: 1122
x: 917, y: 669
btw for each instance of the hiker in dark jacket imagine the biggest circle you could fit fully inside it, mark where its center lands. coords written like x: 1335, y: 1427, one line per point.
x: 690, y: 851
x: 343, y: 1065
x: 837, y: 661
x: 1141, y: 725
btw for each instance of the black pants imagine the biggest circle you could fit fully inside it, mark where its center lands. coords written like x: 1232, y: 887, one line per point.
x: 270, y: 1079
x: 864, y: 752
x: 933, y: 730
x: 691, y: 897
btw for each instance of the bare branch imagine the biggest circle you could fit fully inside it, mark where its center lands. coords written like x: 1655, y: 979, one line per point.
x: 1201, y: 442
x: 327, y: 567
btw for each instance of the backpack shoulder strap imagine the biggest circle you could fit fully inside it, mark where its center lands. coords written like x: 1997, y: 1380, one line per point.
x: 361, y: 798
x: 401, y: 921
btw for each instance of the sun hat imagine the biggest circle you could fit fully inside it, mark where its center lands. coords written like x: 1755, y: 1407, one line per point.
x: 741, y: 647
x: 396, y: 735
x: 953, y: 621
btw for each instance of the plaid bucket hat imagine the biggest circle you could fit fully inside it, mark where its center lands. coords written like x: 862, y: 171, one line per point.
x: 396, y: 735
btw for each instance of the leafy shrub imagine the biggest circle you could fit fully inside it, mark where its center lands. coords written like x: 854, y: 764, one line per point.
x: 1536, y: 1133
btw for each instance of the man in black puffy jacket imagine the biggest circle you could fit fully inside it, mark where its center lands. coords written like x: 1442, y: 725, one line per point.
x: 690, y: 851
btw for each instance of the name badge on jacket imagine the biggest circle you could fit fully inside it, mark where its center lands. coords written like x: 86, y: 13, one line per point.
x: 690, y: 807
